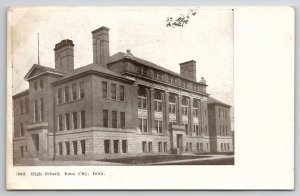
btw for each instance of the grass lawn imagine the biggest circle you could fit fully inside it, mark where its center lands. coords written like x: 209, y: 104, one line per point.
x: 151, y: 159
x: 221, y: 161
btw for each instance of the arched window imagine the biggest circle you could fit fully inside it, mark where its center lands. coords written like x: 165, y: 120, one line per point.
x: 172, y: 105
x: 142, y: 98
x: 196, y: 108
x: 184, y: 106
x: 157, y: 101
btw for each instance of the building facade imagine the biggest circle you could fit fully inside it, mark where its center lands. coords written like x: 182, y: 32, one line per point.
x: 117, y: 106
x: 221, y: 136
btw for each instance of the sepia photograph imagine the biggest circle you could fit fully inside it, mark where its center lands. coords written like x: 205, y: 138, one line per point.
x: 150, y: 98
x: 92, y: 91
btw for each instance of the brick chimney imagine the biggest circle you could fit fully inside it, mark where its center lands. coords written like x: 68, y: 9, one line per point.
x: 101, y: 46
x: 188, y: 70
x: 64, y: 55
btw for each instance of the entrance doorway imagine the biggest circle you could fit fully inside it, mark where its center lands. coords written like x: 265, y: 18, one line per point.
x: 179, y: 142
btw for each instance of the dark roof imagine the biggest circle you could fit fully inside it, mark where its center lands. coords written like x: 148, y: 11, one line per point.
x: 49, y: 69
x: 90, y: 67
x: 44, y: 68
x: 25, y: 92
x: 211, y: 100
x: 120, y: 55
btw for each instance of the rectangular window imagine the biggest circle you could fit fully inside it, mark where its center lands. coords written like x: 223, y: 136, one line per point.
x: 81, y: 90
x: 144, y: 146
x: 22, y: 151
x: 68, y: 148
x: 67, y: 116
x: 157, y: 106
x: 158, y: 126
x: 60, y: 148
x: 75, y: 147
x: 82, y: 142
x: 122, y: 118
x: 150, y: 147
x: 198, y: 149
x: 139, y: 103
x: 187, y: 147
x: 66, y: 94
x: 113, y: 91
x: 106, y: 146
x: 22, y: 129
x: 116, y: 146
x: 184, y: 110
x: 105, y: 118
x: 124, y: 146
x: 172, y: 108
x: 114, y: 119
x: 74, y: 118
x: 59, y: 96
x: 36, y: 113
x: 26, y: 105
x: 35, y: 86
x: 122, y: 93
x: 82, y: 119
x: 60, y: 123
x: 74, y: 92
x: 191, y: 147
x: 140, y: 124
x: 159, y: 147
x: 165, y: 147
x: 104, y: 90
x: 144, y: 103
x: 42, y: 109
x: 41, y: 84
x: 145, y: 125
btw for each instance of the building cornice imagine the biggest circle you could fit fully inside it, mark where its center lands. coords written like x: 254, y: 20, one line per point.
x: 91, y: 72
x: 165, y: 84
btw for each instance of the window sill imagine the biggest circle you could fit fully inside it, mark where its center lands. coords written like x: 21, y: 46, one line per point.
x: 71, y: 101
x: 107, y: 99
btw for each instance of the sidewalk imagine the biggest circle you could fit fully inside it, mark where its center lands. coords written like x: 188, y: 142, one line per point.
x: 215, y: 157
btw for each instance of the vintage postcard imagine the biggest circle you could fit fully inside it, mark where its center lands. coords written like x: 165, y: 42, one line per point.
x: 138, y: 97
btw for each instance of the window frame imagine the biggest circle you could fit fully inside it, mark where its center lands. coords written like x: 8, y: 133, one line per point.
x: 104, y: 90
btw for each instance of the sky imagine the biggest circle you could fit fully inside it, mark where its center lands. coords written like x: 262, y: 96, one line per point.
x: 207, y: 39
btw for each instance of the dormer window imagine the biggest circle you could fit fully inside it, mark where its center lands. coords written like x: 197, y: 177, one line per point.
x: 141, y: 70
x: 195, y: 87
x: 157, y: 75
x: 171, y: 79
x: 184, y: 84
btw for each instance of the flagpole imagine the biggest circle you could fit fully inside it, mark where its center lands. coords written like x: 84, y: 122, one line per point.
x: 38, y: 48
